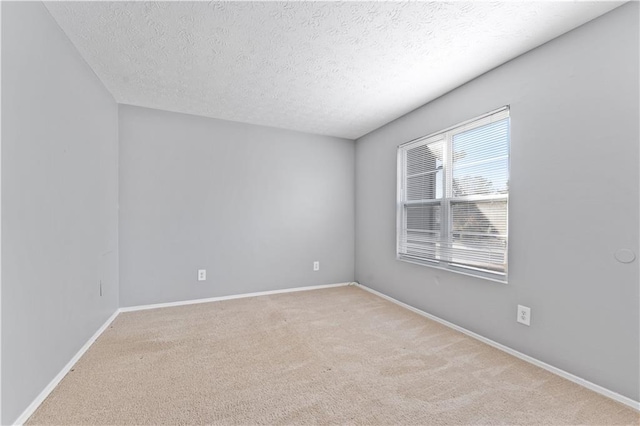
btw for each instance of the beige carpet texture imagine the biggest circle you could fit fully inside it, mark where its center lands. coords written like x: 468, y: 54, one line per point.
x: 333, y: 356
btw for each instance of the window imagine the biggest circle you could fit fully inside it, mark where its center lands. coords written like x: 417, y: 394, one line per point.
x: 453, y: 192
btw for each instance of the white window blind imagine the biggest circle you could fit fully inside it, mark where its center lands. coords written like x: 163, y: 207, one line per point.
x: 453, y: 192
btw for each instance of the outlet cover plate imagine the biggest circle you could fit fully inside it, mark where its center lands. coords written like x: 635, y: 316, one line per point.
x: 524, y: 315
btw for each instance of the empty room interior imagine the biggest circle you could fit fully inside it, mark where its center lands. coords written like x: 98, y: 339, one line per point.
x: 335, y: 212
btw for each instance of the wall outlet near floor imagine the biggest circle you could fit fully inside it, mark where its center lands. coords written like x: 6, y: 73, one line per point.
x: 524, y: 315
x: 316, y: 266
x: 202, y: 274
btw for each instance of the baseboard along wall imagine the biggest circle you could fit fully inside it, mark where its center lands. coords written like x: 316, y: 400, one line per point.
x: 58, y: 378
x: 573, y: 378
x: 230, y: 297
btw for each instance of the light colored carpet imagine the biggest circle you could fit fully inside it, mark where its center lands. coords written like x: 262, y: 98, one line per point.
x: 333, y: 356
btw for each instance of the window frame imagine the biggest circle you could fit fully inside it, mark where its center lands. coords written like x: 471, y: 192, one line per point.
x: 445, y: 202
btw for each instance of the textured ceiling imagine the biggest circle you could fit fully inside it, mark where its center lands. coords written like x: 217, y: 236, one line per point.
x: 335, y: 68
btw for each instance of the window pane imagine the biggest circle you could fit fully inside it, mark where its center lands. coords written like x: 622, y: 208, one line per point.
x: 425, y: 187
x: 489, y: 257
x: 424, y: 158
x: 422, y: 231
x: 489, y: 177
x: 481, y: 160
x: 423, y: 218
x: 482, y: 143
x: 479, y: 217
x: 479, y: 234
x: 422, y: 246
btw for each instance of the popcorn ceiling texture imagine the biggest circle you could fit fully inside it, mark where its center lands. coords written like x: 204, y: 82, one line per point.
x: 335, y: 68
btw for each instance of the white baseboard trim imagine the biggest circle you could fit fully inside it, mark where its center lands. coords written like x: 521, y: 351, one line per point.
x: 28, y: 412
x: 56, y: 380
x: 230, y: 297
x: 573, y: 378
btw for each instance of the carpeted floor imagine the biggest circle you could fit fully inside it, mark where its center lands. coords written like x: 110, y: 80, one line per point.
x: 333, y: 356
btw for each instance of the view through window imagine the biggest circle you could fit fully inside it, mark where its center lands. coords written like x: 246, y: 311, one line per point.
x: 453, y: 197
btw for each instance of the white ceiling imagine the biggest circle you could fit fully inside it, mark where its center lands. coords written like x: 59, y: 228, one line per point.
x: 335, y: 68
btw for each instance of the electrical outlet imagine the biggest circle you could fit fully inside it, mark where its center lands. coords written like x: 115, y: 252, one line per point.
x: 202, y: 274
x: 524, y: 315
x: 316, y: 266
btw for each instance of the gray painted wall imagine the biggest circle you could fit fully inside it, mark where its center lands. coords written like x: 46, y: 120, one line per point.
x: 59, y: 203
x: 254, y: 206
x: 573, y: 202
